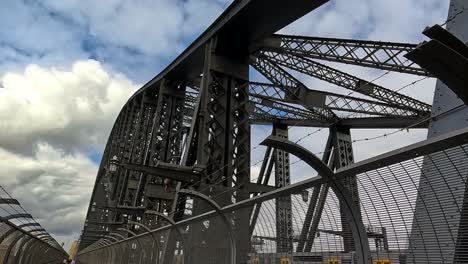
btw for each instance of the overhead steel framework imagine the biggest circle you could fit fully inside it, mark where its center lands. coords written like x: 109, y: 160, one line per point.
x: 174, y: 184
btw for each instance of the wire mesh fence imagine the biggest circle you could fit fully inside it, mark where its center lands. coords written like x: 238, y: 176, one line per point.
x: 411, y: 210
x: 409, y: 207
x: 22, y: 239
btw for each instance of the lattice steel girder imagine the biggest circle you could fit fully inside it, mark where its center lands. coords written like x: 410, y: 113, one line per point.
x: 348, y: 81
x: 263, y: 105
x: 292, y: 87
x: 167, y: 133
x: 140, y: 151
x: 344, y: 156
x: 223, y: 138
x: 331, y: 101
x: 374, y: 54
x: 129, y: 137
x: 135, y: 149
x: 284, y: 226
x: 225, y: 120
x: 264, y: 111
x: 164, y: 145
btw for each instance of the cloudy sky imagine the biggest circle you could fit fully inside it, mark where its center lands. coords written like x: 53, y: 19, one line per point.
x: 67, y: 67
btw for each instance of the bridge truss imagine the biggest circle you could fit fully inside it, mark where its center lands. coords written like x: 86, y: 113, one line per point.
x: 174, y: 183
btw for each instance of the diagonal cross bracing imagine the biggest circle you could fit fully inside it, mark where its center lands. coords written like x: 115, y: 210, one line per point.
x: 374, y: 54
x: 331, y: 101
x: 348, y: 81
x: 291, y: 86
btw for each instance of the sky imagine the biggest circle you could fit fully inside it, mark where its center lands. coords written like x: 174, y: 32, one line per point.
x: 67, y: 67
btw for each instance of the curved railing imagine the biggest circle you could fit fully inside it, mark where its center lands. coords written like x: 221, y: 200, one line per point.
x: 409, y: 199
x: 22, y: 239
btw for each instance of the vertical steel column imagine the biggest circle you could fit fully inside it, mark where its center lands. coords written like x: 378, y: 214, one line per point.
x: 224, y: 138
x: 165, y: 142
x: 343, y: 153
x: 167, y: 130
x: 173, y: 100
x: 284, y: 239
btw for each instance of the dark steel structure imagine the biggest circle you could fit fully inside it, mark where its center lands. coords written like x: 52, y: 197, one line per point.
x: 174, y: 185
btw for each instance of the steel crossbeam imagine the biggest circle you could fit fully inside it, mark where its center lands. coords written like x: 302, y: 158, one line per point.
x: 374, y: 54
x: 290, y: 85
x: 348, y: 81
x: 332, y: 101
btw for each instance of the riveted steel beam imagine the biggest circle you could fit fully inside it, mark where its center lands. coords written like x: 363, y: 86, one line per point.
x: 333, y: 101
x: 399, y: 103
x: 374, y: 54
x: 292, y: 87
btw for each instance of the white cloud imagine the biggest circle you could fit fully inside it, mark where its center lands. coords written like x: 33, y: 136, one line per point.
x: 398, y: 20
x: 52, y: 119
x: 200, y: 13
x: 53, y: 186
x: 30, y: 30
x: 69, y: 109
x: 152, y: 27
x: 135, y: 37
